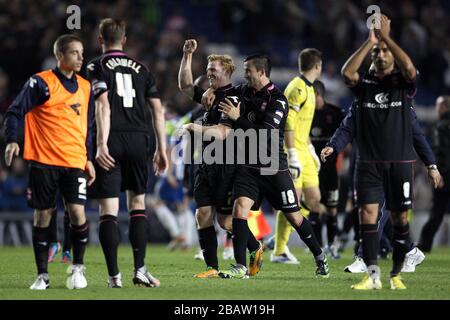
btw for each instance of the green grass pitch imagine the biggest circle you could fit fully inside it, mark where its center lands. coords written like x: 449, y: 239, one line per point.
x: 175, y: 270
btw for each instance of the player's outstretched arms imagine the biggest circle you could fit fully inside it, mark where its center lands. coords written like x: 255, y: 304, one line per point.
x: 325, y: 153
x: 12, y: 149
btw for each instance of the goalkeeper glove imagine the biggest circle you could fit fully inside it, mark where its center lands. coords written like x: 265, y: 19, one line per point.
x: 313, y: 153
x: 295, y: 167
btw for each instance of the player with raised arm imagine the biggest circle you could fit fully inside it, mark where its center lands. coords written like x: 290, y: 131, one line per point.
x: 265, y: 111
x: 381, y: 119
x: 213, y: 182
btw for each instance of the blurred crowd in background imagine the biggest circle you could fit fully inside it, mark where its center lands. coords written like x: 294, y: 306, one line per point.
x: 156, y: 30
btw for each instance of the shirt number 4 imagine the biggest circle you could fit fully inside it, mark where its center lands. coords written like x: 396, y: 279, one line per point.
x: 124, y: 84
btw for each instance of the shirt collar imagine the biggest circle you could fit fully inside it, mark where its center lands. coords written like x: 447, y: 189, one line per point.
x: 309, y: 83
x: 226, y: 87
x: 112, y: 51
x: 264, y: 89
x: 62, y: 77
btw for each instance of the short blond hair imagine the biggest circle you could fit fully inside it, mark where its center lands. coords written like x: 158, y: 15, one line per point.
x: 225, y: 60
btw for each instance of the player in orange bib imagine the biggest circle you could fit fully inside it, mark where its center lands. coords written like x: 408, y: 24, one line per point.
x: 57, y: 106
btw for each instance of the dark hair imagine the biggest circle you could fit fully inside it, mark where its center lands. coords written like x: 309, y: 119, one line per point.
x: 319, y: 87
x: 308, y: 58
x: 112, y: 30
x: 61, y: 44
x: 261, y: 62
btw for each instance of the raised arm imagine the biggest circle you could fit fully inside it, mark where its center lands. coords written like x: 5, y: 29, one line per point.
x: 350, y: 69
x: 403, y: 60
x: 185, y: 79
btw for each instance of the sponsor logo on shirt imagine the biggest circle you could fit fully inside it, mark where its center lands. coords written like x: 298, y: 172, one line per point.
x: 383, y: 102
x: 382, y: 97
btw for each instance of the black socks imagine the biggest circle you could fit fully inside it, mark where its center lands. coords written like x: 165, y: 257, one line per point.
x: 401, y: 244
x: 79, y: 236
x: 109, y: 239
x: 370, y: 243
x: 41, y: 243
x: 332, y: 228
x: 306, y: 233
x: 138, y: 236
x: 241, y: 234
x: 316, y: 225
x: 208, y: 243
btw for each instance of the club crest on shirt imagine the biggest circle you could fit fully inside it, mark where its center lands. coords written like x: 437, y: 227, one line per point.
x: 75, y: 107
x: 251, y: 116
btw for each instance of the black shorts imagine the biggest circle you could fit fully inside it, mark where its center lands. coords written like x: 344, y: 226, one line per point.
x: 392, y: 181
x: 329, y: 184
x: 45, y: 182
x: 278, y: 188
x: 131, y: 152
x: 190, y: 173
x: 213, y: 186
